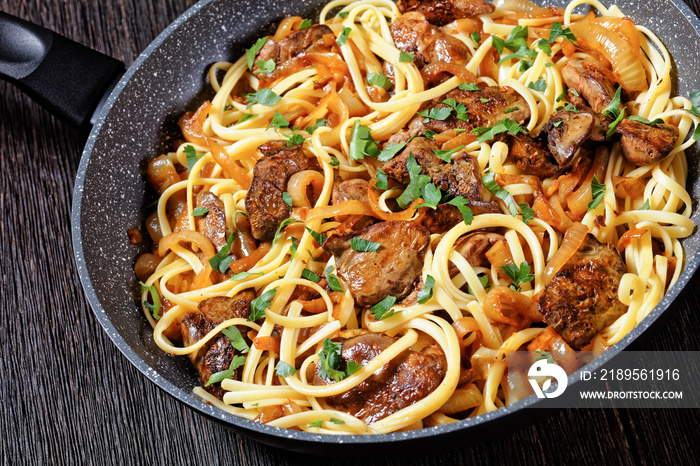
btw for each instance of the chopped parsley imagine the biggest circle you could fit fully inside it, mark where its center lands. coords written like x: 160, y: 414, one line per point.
x: 243, y: 275
x: 260, y: 304
x: 287, y: 198
x: 361, y: 143
x: 343, y: 37
x: 282, y: 226
x: 330, y: 362
x: 505, y: 125
x: 381, y: 310
x: 695, y: 110
x: 476, y: 38
x: 426, y: 293
x: 332, y: 279
x: 319, y: 123
x: 415, y: 187
x: 446, y: 155
x: 469, y: 87
x: 305, y: 24
x: 344, y: 14
x: 309, y: 275
x: 245, y: 117
x: 253, y: 51
x: 511, y: 109
x: 429, y: 134
x: 191, y: 155
x: 217, y: 377
x: 518, y: 275
x: 522, y: 52
x: 435, y: 113
x: 362, y: 245
x: 540, y: 85
x: 390, y: 151
x: 527, y: 212
x: 490, y: 183
x: 295, y: 140
x: 155, y: 297
x: 466, y: 211
x: 598, y: 191
x: 637, y: 118
x: 262, y: 96
x: 320, y: 239
x: 278, y: 121
x: 237, y: 340
x: 406, y: 57
x: 336, y: 421
x: 220, y: 261
x: 266, y: 66
x: 317, y: 423
x: 382, y: 180
x: 431, y: 196
x: 284, y: 370
x: 484, y: 280
x: 646, y: 205
x: 379, y: 80
x: 515, y: 40
x: 200, y: 211
x: 460, y: 108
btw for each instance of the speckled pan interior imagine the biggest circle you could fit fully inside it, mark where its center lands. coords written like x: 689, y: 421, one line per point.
x: 139, y: 121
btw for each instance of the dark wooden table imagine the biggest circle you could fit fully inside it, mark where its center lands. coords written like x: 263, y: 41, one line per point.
x: 60, y: 375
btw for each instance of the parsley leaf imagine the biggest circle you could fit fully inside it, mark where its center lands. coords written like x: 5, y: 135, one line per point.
x: 191, y: 155
x: 379, y: 80
x: 522, y: 52
x: 309, y: 275
x: 613, y: 125
x: 266, y: 66
x: 406, y: 57
x: 646, y: 205
x: 382, y: 180
x: 416, y: 185
x: 495, y: 189
x: 694, y: 105
x: 540, y: 85
x: 361, y: 143
x: 236, y: 362
x: 218, y: 261
x: 237, y: 340
x: 278, y: 121
x: 527, y: 212
x: 446, y: 155
x: 316, y: 423
x: 242, y: 275
x: 332, y: 279
x: 515, y: 40
x: 320, y: 239
x: 305, y: 24
x: 199, y: 211
x: 245, y: 117
x: 657, y: 121
x: 282, y: 226
x: 284, y: 370
x: 295, y: 140
x: 613, y: 108
x: 362, y: 245
x: 155, y: 307
x: 469, y: 87
x: 460, y: 108
x: 287, y: 198
x: 484, y: 280
x: 598, y: 191
x: 390, y: 151
x: 435, y: 113
x: 260, y: 304
x: 518, y: 275
x: 336, y: 421
x: 253, y: 51
x: 319, y: 123
x: 505, y: 125
x: 343, y: 37
x: 429, y: 134
x: 330, y: 361
x: 334, y: 162
x: 344, y: 14
x: 431, y: 196
x: 467, y: 213
x: 476, y: 38
x: 262, y: 96
x: 427, y: 292
x: 381, y: 310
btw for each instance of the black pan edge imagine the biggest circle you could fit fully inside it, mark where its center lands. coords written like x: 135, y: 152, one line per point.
x: 478, y: 427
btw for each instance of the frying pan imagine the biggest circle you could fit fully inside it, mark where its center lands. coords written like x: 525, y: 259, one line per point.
x: 134, y: 119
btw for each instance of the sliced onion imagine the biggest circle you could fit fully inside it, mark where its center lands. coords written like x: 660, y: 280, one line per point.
x: 627, y: 67
x: 231, y: 168
x: 192, y: 125
x: 628, y: 236
x: 299, y: 184
x: 507, y: 306
x: 191, y: 236
x: 246, y: 263
x: 622, y: 26
x: 456, y: 69
x: 405, y: 214
x: 573, y: 238
x: 522, y: 6
x: 145, y: 266
x: 161, y: 174
x: 344, y: 208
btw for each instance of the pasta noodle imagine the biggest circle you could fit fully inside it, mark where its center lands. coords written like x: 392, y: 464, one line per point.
x: 644, y: 210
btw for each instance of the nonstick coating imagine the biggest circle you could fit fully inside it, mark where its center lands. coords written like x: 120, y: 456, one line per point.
x: 138, y: 122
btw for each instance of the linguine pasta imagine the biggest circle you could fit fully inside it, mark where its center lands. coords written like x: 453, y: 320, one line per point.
x: 221, y: 149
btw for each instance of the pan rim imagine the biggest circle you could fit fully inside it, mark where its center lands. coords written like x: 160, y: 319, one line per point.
x: 243, y: 425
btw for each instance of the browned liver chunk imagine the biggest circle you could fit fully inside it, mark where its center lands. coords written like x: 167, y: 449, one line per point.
x: 581, y: 300
x: 645, y: 144
x: 440, y: 12
x: 390, y: 271
x: 403, y: 381
x: 589, y: 79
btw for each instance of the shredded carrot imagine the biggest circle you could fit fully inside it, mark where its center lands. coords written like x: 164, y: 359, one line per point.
x: 231, y: 168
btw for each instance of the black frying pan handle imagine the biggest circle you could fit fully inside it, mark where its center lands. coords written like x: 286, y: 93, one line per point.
x: 67, y: 78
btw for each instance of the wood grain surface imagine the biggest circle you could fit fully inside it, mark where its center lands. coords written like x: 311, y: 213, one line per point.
x: 69, y: 397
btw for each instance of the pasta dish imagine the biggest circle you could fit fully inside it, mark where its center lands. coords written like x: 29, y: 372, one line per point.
x: 379, y: 203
